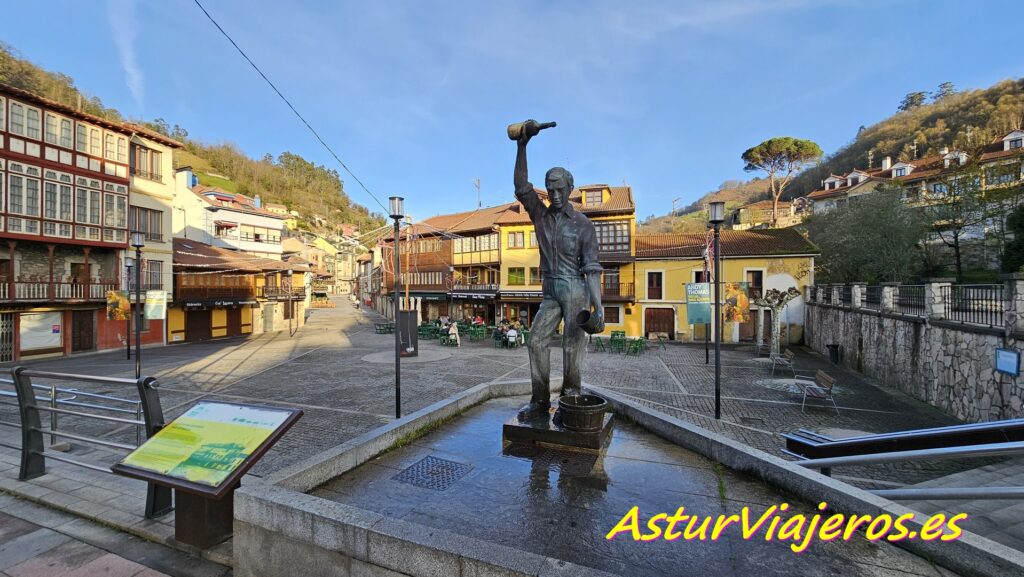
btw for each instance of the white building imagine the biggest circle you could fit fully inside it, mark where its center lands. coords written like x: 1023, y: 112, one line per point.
x: 223, y: 219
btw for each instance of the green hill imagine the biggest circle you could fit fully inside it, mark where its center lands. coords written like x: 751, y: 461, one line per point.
x: 691, y: 218
x: 308, y: 188
x: 962, y: 120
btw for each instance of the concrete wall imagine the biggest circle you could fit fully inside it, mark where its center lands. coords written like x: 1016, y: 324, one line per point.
x: 947, y: 364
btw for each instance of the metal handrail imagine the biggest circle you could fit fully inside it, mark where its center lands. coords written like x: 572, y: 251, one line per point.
x: 148, y: 411
x: 930, y: 493
x: 971, y: 451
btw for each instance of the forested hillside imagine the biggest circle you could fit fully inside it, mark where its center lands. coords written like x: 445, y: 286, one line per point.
x: 950, y: 118
x: 288, y: 179
x: 691, y: 218
x: 962, y: 120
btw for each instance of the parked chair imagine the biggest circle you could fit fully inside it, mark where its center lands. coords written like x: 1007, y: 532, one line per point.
x: 820, y: 388
x: 786, y: 360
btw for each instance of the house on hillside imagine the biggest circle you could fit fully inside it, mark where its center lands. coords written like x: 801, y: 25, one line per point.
x: 924, y: 179
x: 229, y: 220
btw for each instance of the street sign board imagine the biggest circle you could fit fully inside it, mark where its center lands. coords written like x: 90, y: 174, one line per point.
x: 208, y: 448
x: 1008, y: 362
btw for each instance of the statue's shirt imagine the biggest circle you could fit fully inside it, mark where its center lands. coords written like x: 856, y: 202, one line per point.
x: 568, y: 243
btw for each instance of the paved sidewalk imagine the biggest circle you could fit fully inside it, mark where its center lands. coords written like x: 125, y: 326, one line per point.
x: 36, y: 541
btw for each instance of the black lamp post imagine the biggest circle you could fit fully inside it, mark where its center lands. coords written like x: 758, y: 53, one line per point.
x: 397, y: 209
x: 138, y: 242
x: 128, y: 333
x: 716, y: 217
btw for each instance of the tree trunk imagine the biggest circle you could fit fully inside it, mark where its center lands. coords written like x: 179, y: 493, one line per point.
x: 775, y: 210
x: 959, y: 263
x: 776, y: 328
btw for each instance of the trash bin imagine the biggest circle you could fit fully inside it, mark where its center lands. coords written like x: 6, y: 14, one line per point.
x: 833, y: 353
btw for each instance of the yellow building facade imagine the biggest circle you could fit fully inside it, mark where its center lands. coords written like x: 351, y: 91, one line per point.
x: 762, y: 260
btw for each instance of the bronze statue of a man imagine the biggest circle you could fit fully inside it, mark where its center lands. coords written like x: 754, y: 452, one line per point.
x: 570, y: 272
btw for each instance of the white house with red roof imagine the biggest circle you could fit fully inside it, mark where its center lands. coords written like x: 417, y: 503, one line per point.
x: 225, y: 219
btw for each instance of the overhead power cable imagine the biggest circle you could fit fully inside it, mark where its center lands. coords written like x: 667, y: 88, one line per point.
x: 293, y: 109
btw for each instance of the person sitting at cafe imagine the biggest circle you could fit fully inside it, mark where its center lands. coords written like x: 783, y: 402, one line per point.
x: 512, y: 335
x: 479, y: 320
x: 453, y: 334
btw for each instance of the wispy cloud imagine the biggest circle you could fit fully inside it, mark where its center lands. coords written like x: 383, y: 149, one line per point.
x: 121, y: 14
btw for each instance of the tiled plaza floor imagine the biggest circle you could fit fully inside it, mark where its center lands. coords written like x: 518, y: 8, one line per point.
x: 331, y: 369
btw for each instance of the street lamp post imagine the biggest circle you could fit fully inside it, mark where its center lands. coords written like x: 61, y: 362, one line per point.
x: 397, y: 208
x: 128, y: 333
x: 137, y: 242
x: 716, y: 218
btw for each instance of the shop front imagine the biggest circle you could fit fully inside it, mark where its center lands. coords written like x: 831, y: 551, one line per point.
x: 520, y: 306
x: 195, y: 321
x: 469, y: 304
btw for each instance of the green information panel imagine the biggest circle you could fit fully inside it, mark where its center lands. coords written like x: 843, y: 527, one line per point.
x: 209, y: 445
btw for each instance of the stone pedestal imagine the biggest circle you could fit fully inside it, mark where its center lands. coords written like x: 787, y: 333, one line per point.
x: 543, y: 431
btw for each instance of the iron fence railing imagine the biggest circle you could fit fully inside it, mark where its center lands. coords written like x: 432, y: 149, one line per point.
x: 826, y: 294
x: 846, y: 295
x: 974, y: 304
x: 872, y: 298
x: 909, y: 299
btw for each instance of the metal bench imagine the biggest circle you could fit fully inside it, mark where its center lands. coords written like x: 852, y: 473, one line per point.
x: 785, y: 360
x: 819, y: 388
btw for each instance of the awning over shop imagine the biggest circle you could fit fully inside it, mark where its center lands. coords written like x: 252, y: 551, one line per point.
x: 473, y: 295
x: 425, y: 295
x: 225, y: 223
x: 521, y: 295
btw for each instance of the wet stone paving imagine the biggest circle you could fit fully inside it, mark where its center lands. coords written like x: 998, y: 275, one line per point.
x: 563, y: 503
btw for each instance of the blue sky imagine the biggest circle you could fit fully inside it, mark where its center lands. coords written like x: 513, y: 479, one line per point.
x: 415, y: 95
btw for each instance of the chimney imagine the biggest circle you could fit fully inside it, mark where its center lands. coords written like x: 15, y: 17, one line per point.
x: 257, y: 202
x: 886, y: 163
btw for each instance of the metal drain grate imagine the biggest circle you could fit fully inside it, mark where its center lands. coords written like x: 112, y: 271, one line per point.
x: 752, y: 421
x: 433, y: 473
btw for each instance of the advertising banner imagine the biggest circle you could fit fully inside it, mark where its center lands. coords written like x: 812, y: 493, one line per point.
x: 119, y: 308
x: 40, y: 330
x: 156, y: 305
x: 698, y: 303
x: 735, y: 303
x: 207, y: 443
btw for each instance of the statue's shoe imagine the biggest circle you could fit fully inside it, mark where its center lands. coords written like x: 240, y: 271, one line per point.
x: 534, y: 410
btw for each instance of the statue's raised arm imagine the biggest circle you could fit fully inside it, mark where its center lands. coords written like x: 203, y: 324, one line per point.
x: 522, y: 132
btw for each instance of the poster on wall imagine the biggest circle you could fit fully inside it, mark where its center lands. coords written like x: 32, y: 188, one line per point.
x: 40, y: 331
x: 156, y: 305
x: 698, y: 303
x: 735, y: 303
x: 118, y: 306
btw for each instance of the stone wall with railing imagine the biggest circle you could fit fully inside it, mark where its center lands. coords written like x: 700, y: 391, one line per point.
x: 935, y: 341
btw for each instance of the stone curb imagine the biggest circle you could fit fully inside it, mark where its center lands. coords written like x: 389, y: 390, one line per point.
x: 971, y: 554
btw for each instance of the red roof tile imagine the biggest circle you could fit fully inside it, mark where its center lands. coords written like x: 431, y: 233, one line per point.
x: 734, y: 243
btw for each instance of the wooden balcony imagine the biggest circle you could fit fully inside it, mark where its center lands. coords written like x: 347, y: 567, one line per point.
x: 42, y: 291
x: 621, y: 292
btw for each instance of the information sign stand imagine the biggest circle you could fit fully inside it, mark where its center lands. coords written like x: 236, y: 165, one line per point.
x: 203, y: 455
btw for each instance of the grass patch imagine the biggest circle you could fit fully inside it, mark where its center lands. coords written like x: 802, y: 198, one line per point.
x: 720, y: 475
x: 217, y: 181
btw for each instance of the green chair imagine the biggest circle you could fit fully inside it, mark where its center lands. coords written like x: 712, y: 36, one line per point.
x: 636, y: 347
x: 617, y: 343
x: 599, y: 345
x: 525, y: 336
